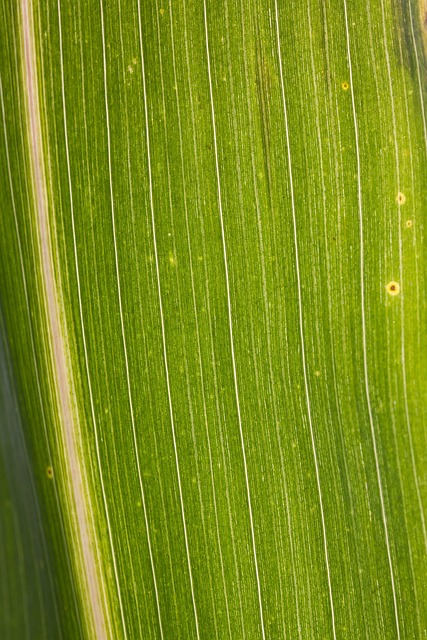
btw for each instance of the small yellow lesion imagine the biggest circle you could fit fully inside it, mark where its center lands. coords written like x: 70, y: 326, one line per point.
x: 408, y: 224
x: 345, y: 86
x: 317, y: 374
x: 131, y: 67
x: 401, y: 198
x: 49, y: 472
x: 162, y: 12
x: 393, y: 288
x: 172, y: 259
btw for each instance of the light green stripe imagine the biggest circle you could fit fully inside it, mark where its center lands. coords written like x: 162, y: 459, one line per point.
x: 68, y: 421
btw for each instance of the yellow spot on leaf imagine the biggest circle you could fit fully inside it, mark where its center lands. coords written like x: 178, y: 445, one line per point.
x: 172, y: 259
x: 49, y: 473
x: 393, y: 288
x: 317, y: 374
x: 345, y: 86
x: 162, y: 12
x: 408, y: 223
x: 401, y: 198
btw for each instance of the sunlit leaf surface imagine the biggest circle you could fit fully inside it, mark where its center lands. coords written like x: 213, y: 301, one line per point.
x: 213, y: 403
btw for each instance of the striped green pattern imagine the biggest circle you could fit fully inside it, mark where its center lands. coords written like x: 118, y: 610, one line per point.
x: 213, y: 319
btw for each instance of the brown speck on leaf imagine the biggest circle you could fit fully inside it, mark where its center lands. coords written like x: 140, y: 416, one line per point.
x: 393, y: 288
x: 49, y: 473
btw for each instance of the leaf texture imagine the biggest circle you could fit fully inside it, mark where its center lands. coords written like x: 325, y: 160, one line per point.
x: 213, y: 306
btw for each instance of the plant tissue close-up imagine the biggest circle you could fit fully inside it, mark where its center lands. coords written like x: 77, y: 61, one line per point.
x: 213, y: 319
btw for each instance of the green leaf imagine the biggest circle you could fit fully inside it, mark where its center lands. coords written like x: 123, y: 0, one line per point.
x: 213, y: 405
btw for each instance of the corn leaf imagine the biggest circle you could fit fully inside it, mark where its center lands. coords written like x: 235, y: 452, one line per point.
x: 213, y: 403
